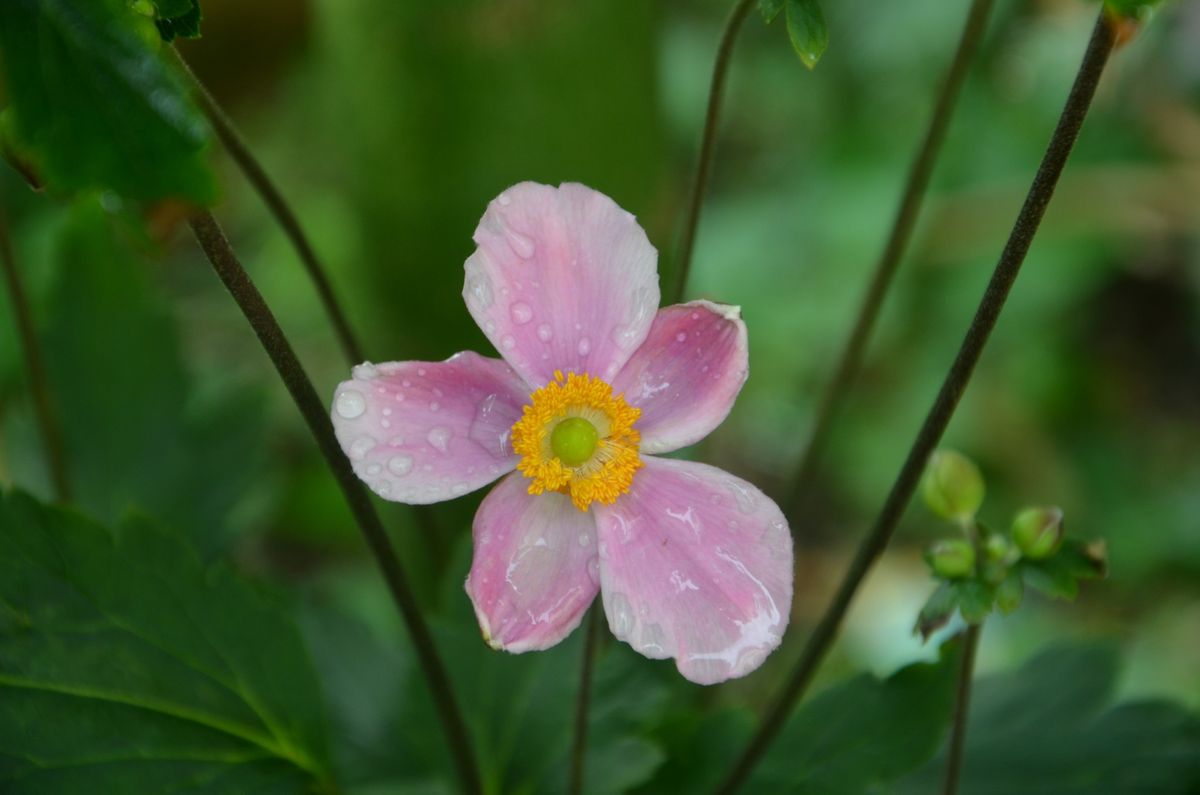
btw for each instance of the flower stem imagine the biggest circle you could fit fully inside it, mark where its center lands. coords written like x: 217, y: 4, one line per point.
x: 225, y: 262
x: 278, y: 207
x: 850, y: 360
x: 1099, y: 48
x: 579, y: 748
x: 708, y: 145
x: 962, y: 707
x: 43, y: 410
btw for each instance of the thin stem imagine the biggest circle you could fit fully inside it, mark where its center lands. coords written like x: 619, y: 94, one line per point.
x: 962, y: 708
x: 579, y: 748
x: 43, y: 409
x: 225, y: 262
x: 1030, y: 216
x: 708, y: 144
x: 850, y: 360
x: 278, y: 206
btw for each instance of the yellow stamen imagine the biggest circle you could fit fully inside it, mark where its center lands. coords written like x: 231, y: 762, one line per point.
x: 608, y: 472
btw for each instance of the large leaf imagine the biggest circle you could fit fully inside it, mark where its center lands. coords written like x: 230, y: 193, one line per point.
x: 139, y: 430
x: 95, y: 104
x: 1048, y: 728
x: 857, y: 735
x: 126, y: 666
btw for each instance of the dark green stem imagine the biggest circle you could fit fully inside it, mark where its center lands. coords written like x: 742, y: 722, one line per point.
x: 225, y: 262
x: 962, y: 708
x: 708, y: 145
x: 43, y: 408
x: 579, y: 747
x: 850, y: 360
x: 279, y: 208
x: 1005, y: 274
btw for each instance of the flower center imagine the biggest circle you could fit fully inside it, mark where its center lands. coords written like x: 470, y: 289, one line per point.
x: 577, y: 438
x: 573, y: 441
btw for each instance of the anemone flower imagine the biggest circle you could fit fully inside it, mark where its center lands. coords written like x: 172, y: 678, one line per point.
x: 596, y: 381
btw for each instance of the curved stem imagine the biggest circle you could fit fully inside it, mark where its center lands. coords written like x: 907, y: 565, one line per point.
x: 579, y: 747
x: 218, y: 251
x: 43, y: 410
x: 850, y: 359
x: 279, y: 208
x: 1005, y: 274
x: 708, y: 145
x: 962, y: 708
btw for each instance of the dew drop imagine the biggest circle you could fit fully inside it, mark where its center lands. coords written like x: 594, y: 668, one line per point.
x: 521, y: 245
x: 439, y: 438
x: 406, y: 383
x: 521, y: 313
x: 400, y: 464
x: 386, y: 423
x: 585, y: 345
x: 479, y: 286
x: 387, y: 412
x: 364, y: 372
x: 459, y: 488
x: 620, y: 613
x: 584, y: 539
x: 593, y: 569
x: 374, y: 469
x: 421, y: 371
x: 351, y: 404
x: 435, y: 406
x: 509, y: 342
x: 504, y: 199
x: 681, y: 337
x: 361, y: 446
x: 545, y: 333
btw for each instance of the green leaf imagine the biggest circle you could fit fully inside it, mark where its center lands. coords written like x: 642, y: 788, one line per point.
x: 770, y: 9
x: 863, y: 733
x: 126, y: 666
x: 1132, y: 9
x: 974, y: 600
x: 1059, y: 576
x: 806, y: 29
x: 96, y: 105
x: 138, y: 428
x: 1048, y: 727
x: 937, y: 610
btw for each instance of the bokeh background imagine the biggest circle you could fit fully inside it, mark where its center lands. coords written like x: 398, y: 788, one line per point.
x: 389, y: 126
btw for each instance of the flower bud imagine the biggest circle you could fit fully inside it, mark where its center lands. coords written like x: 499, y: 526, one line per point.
x: 1038, y: 532
x: 952, y: 558
x: 999, y: 548
x: 952, y: 486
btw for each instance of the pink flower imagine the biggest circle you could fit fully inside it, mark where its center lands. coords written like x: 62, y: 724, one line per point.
x: 691, y: 562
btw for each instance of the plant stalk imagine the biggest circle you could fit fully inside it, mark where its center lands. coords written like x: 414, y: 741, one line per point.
x: 225, y: 262
x: 962, y: 708
x: 708, y: 145
x: 1063, y: 139
x: 579, y: 747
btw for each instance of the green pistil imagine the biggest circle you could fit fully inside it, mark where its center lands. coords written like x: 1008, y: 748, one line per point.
x: 573, y: 441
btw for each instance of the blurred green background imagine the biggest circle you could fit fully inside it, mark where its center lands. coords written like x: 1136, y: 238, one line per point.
x: 389, y: 126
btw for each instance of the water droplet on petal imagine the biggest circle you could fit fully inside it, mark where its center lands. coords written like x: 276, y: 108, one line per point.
x: 681, y: 337
x: 374, y: 469
x: 545, y: 333
x: 460, y: 488
x: 400, y: 464
x: 584, y: 539
x: 387, y: 412
x: 435, y: 406
x: 585, y: 345
x: 351, y: 404
x: 521, y: 245
x: 504, y: 199
x: 521, y: 313
x: 479, y: 285
x: 421, y: 371
x: 361, y: 446
x: 593, y: 569
x: 439, y: 438
x: 364, y: 372
x: 508, y: 343
x: 620, y: 615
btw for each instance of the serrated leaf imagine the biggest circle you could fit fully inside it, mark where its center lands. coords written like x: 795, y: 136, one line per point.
x: 807, y: 31
x: 96, y: 105
x: 126, y: 666
x: 1048, y: 727
x: 770, y: 9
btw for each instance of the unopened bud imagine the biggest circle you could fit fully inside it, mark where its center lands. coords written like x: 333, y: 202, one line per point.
x: 999, y: 548
x: 1038, y: 532
x: 952, y: 558
x: 952, y: 486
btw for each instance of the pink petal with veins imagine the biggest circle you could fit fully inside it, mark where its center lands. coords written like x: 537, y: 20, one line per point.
x: 534, y: 571
x: 422, y: 432
x: 562, y: 279
x: 687, y: 374
x: 696, y: 564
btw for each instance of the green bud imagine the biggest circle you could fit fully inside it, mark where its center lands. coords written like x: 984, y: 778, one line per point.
x: 1009, y: 593
x: 1038, y: 532
x: 952, y: 486
x: 993, y: 571
x: 952, y: 558
x: 999, y: 548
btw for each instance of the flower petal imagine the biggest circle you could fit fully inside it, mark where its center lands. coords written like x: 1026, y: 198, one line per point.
x: 562, y: 279
x: 696, y: 564
x: 422, y: 432
x: 687, y: 373
x: 534, y: 572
